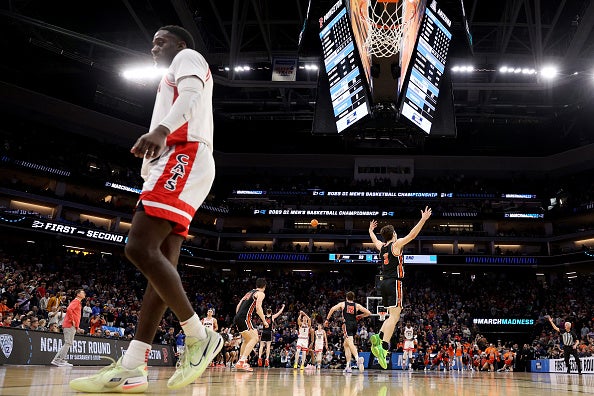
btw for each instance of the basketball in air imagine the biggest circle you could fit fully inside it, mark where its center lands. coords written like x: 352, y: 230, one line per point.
x: 314, y: 223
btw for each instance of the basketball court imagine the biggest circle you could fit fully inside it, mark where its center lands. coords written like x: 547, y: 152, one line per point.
x: 50, y: 381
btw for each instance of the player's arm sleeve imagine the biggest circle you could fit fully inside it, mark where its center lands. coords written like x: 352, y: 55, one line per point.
x: 190, y: 91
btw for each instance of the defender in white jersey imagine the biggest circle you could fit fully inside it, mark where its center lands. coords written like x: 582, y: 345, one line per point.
x: 178, y: 171
x: 304, y: 322
x: 320, y: 341
x: 209, y: 321
x: 409, y: 345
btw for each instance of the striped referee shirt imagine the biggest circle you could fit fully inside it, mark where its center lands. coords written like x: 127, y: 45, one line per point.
x: 569, y: 338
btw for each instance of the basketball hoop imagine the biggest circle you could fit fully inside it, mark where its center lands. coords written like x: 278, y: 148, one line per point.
x: 386, y: 25
x: 382, y: 315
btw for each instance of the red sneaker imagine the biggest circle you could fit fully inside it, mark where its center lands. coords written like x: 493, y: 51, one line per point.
x: 266, y: 363
x: 243, y: 366
x: 259, y: 362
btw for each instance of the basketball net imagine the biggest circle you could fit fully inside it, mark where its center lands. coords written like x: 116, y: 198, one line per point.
x: 385, y: 26
x: 382, y: 316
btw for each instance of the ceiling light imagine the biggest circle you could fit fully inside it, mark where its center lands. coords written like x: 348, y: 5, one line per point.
x: 549, y: 72
x: 143, y: 73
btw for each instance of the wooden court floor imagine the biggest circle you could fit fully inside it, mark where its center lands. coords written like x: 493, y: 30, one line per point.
x: 46, y: 380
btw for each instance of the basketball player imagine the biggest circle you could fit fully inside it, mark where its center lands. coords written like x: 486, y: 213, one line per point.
x: 251, y: 301
x: 178, y: 170
x: 266, y: 337
x: 409, y: 345
x: 304, y: 323
x: 320, y: 341
x: 391, y: 284
x: 210, y: 322
x: 349, y: 309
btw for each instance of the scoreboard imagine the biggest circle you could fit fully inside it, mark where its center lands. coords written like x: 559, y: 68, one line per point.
x: 348, y: 89
x: 421, y: 88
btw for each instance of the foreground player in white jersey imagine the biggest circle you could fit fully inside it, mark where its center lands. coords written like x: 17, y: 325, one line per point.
x: 409, y: 346
x: 304, y: 323
x: 178, y: 170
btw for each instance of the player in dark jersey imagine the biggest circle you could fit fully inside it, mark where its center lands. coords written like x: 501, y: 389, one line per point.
x: 391, y: 283
x: 251, y: 301
x: 266, y: 336
x: 349, y: 309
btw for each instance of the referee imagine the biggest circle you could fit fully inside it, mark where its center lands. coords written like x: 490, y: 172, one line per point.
x: 570, y: 344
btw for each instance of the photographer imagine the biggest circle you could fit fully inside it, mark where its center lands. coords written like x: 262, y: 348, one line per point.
x: 96, y: 323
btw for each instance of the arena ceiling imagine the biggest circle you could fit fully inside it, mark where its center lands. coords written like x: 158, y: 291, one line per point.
x: 74, y: 51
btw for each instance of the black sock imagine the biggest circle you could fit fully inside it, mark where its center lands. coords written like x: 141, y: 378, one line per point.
x: 386, y: 345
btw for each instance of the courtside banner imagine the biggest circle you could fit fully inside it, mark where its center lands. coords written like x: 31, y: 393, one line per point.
x: 24, y: 347
x: 558, y: 365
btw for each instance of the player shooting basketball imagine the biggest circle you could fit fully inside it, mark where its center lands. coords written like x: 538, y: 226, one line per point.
x: 391, y: 286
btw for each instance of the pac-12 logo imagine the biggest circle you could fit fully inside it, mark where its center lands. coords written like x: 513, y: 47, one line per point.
x: 6, y: 343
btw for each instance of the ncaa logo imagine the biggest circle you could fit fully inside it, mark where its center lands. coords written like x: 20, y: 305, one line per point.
x: 6, y: 343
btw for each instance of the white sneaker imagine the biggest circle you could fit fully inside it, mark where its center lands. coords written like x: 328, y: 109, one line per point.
x: 61, y: 363
x: 114, y: 379
x: 195, y: 359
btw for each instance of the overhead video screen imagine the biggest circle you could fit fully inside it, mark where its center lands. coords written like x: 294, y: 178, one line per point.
x: 349, y: 91
x: 418, y: 103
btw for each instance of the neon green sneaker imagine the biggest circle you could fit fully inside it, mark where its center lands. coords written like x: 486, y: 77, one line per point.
x: 114, y: 379
x: 378, y: 350
x: 195, y: 359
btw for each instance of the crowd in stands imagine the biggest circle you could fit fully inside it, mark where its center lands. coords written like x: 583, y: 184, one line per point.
x: 38, y: 282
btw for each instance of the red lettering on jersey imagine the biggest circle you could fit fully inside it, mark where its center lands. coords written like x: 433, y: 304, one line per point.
x: 386, y: 261
x: 350, y: 309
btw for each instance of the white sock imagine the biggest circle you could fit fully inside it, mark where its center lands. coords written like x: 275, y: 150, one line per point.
x: 137, y: 354
x: 194, y: 328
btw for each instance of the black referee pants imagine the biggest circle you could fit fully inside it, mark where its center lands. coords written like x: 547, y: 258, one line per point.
x: 569, y: 351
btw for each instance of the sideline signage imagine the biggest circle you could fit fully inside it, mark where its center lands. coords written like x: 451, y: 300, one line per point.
x: 558, y: 365
x: 25, y: 347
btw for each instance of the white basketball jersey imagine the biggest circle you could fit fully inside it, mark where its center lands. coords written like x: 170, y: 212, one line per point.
x: 303, y: 332
x: 208, y: 322
x: 409, y: 333
x: 319, y: 339
x: 200, y: 126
